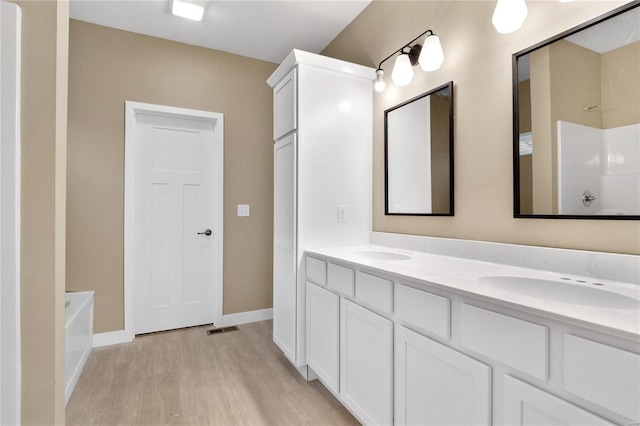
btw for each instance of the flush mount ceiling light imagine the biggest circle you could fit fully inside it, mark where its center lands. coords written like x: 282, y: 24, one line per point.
x: 187, y: 9
x: 429, y: 55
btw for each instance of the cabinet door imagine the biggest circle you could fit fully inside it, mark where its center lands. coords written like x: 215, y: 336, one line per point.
x: 436, y: 385
x: 525, y: 405
x: 284, y: 246
x: 323, y: 334
x: 284, y: 106
x: 366, y: 356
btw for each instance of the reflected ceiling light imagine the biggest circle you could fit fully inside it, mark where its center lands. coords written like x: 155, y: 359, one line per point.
x: 509, y: 15
x: 188, y: 10
x: 429, y: 55
x: 566, y: 1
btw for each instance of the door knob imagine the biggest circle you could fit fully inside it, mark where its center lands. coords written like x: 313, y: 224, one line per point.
x: 206, y: 232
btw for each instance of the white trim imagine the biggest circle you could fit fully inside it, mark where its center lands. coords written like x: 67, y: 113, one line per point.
x: 247, y: 317
x: 10, y: 171
x: 110, y: 338
x: 131, y: 110
x: 121, y: 336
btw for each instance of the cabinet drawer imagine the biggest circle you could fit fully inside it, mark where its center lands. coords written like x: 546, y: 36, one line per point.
x: 602, y: 374
x: 284, y: 106
x: 423, y: 309
x: 317, y: 270
x: 516, y: 343
x: 374, y: 291
x: 340, y: 279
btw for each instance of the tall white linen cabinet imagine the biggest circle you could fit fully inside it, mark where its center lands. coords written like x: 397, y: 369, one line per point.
x: 323, y: 132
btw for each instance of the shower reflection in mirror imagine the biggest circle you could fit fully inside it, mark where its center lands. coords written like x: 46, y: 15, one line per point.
x: 577, y: 121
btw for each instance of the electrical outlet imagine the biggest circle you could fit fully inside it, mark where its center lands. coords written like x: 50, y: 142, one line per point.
x: 342, y: 213
x: 244, y: 210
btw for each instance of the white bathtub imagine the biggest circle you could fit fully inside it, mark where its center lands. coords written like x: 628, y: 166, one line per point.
x: 78, y: 337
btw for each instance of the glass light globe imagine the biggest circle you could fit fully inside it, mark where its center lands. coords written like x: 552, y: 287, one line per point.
x: 431, y: 55
x: 509, y: 15
x: 402, y: 73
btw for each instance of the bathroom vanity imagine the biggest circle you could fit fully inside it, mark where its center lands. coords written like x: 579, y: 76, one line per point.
x: 408, y: 337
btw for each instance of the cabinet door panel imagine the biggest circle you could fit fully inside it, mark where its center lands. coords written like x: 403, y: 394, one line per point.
x: 366, y: 356
x: 436, y: 385
x: 525, y: 405
x: 603, y: 374
x: 284, y: 106
x: 323, y: 334
x: 284, y: 247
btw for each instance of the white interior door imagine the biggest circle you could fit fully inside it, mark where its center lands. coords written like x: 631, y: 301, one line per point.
x: 174, y: 222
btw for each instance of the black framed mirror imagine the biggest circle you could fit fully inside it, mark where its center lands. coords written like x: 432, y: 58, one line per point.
x: 418, y: 153
x: 576, y: 121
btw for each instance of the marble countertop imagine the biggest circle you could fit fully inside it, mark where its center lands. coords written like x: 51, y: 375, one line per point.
x: 474, y: 278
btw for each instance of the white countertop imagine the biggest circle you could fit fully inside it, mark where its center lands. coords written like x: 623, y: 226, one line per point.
x: 463, y: 276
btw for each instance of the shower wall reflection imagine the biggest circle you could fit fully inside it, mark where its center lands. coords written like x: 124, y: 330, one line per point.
x: 579, y: 122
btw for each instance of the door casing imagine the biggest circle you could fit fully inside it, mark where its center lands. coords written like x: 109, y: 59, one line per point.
x: 132, y: 110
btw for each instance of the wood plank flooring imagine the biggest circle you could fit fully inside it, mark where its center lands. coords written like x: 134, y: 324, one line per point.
x: 188, y: 377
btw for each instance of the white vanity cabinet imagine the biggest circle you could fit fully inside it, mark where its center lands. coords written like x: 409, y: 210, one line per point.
x: 415, y: 353
x: 323, y: 128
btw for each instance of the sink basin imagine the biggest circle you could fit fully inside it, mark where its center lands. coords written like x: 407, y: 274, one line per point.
x: 573, y: 293
x: 382, y: 255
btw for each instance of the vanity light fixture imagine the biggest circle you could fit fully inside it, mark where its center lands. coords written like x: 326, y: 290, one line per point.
x: 429, y: 55
x: 187, y: 9
x: 509, y: 15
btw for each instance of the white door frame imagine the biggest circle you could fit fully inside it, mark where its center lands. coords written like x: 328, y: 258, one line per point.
x: 10, y: 166
x: 132, y: 110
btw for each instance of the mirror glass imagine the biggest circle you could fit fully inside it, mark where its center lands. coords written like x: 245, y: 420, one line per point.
x: 577, y: 122
x: 419, y: 155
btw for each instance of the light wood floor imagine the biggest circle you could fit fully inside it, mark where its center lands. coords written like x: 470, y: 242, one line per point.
x: 188, y: 377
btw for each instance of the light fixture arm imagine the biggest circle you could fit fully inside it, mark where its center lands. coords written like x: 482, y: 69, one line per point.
x: 401, y: 50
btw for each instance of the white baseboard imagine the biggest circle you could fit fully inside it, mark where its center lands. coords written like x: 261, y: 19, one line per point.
x: 120, y: 336
x: 110, y: 338
x: 246, y: 317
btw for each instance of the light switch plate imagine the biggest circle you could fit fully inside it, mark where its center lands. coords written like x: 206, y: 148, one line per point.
x: 244, y: 210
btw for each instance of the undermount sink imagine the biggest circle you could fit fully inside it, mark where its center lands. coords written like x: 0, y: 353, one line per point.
x: 568, y: 291
x: 382, y: 255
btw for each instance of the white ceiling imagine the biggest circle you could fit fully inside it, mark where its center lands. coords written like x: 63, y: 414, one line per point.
x: 266, y: 29
x: 611, y: 34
